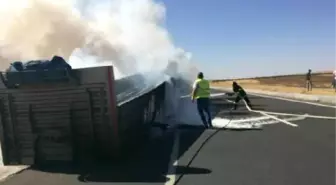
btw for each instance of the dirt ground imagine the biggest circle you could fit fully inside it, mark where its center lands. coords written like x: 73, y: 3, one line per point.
x: 322, y: 84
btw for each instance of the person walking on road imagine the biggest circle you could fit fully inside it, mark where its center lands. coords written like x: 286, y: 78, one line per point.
x: 334, y: 80
x: 201, y: 92
x: 309, y: 84
x: 241, y: 94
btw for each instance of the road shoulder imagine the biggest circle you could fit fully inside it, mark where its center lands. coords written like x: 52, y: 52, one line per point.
x: 9, y: 171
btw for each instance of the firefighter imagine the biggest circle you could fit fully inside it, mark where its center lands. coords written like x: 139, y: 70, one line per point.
x: 240, y: 94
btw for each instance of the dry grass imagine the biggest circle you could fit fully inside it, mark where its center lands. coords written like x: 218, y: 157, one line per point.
x: 290, y: 84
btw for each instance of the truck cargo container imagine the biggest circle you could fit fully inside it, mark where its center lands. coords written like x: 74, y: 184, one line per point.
x: 76, y: 120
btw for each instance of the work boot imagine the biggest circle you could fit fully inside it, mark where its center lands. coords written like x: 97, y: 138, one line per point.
x: 205, y: 124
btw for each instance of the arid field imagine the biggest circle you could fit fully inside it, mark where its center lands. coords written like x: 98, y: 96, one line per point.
x: 322, y: 83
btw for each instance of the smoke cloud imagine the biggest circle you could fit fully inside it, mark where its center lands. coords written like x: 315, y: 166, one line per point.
x: 129, y: 34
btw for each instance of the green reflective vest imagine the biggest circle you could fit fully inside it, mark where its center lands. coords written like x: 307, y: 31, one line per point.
x: 203, y: 90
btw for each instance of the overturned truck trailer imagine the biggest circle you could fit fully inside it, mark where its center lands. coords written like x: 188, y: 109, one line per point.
x: 76, y: 119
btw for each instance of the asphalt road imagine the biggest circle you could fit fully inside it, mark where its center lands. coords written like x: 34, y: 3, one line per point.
x: 282, y: 150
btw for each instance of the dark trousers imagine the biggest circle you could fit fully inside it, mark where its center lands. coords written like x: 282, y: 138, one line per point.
x: 203, y: 105
x: 238, y: 98
x: 309, y: 85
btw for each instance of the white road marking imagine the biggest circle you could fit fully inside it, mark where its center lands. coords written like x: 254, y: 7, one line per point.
x: 281, y: 120
x: 305, y: 115
x: 250, y: 119
x: 289, y: 114
x: 276, y: 118
x: 171, y: 175
x: 291, y: 100
x: 284, y: 114
x: 251, y: 122
x: 225, y: 123
x: 265, y: 114
x: 296, y: 118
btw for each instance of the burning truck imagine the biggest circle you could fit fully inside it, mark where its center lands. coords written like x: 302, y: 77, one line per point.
x: 37, y: 71
x: 50, y: 113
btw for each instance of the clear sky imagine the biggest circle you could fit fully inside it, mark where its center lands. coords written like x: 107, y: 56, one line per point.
x: 242, y: 38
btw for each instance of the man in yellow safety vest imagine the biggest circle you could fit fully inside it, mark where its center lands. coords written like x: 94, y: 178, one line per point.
x: 201, y: 92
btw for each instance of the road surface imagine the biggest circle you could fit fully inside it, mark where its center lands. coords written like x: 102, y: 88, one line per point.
x: 255, y: 148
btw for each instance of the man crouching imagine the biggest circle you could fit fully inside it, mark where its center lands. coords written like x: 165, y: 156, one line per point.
x: 240, y: 94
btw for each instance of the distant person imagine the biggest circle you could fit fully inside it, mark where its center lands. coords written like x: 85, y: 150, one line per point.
x: 201, y: 92
x: 240, y: 94
x: 334, y: 80
x: 309, y: 84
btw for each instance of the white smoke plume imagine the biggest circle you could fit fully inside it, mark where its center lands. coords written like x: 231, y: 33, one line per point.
x: 129, y: 34
x: 126, y: 33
